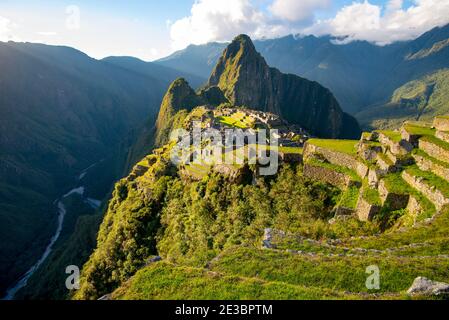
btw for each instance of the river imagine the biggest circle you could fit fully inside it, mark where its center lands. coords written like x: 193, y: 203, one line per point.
x: 12, y: 291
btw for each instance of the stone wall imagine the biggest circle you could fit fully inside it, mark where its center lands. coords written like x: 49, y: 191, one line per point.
x: 366, y: 211
x: 413, y: 139
x: 402, y: 147
x: 428, y: 165
x: 441, y: 123
x: 430, y: 192
x: 434, y: 150
x: 337, y: 158
x: 443, y: 135
x: 368, y: 151
x: 290, y: 157
x: 392, y: 200
x: 330, y: 176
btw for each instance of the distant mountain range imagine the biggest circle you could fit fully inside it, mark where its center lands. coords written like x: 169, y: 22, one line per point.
x: 360, y: 74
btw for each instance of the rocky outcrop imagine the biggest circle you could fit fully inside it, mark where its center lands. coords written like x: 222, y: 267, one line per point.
x: 424, y: 286
x: 245, y: 78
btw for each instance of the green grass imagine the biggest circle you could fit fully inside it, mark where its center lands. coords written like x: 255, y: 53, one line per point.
x: 295, y: 150
x: 164, y: 281
x: 352, y: 174
x: 395, y: 184
x: 342, y: 273
x: 430, y: 179
x: 237, y: 120
x: 349, y: 198
x: 443, y: 117
x: 370, y: 195
x: 434, y: 140
x: 344, y: 146
x: 423, y: 154
x: 418, y: 130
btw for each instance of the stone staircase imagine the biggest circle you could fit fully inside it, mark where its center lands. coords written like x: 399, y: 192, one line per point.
x: 407, y: 169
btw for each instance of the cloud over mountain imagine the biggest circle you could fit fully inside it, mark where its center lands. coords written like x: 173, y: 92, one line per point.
x: 217, y: 20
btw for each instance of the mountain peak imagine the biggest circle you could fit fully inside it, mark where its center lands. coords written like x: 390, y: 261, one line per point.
x: 245, y: 79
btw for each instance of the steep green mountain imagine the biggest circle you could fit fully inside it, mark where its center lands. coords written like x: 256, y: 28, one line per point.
x: 246, y: 79
x: 359, y: 74
x: 420, y: 99
x: 308, y: 232
x: 61, y: 111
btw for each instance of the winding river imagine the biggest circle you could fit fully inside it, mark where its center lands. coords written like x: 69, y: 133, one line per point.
x: 12, y: 291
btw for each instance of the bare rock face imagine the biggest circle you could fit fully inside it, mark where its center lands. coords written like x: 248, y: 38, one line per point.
x: 424, y: 286
x: 246, y: 79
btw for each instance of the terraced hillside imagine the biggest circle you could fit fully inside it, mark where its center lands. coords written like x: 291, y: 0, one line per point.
x: 317, y: 230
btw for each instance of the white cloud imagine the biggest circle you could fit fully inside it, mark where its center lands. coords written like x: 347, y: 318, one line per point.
x: 217, y: 20
x: 295, y: 11
x: 221, y: 20
x: 5, y: 29
x: 366, y: 21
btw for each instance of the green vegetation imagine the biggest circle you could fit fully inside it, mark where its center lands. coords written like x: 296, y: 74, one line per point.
x: 421, y: 153
x: 437, y: 142
x: 420, y: 99
x: 370, y: 195
x: 419, y: 130
x: 163, y: 281
x: 430, y: 179
x: 349, y: 198
x: 345, y: 146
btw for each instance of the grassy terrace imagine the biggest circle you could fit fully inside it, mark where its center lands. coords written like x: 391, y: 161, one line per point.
x: 436, y: 141
x: 421, y: 153
x: 370, y: 195
x: 197, y: 170
x: 340, y: 272
x: 438, y: 231
x: 430, y: 179
x: 237, y: 120
x: 352, y: 174
x: 164, y: 281
x: 394, y: 136
x: 344, y: 146
x: 418, y: 130
x: 395, y: 184
x: 349, y: 198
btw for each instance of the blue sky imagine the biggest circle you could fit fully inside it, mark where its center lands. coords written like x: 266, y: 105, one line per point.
x: 152, y: 29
